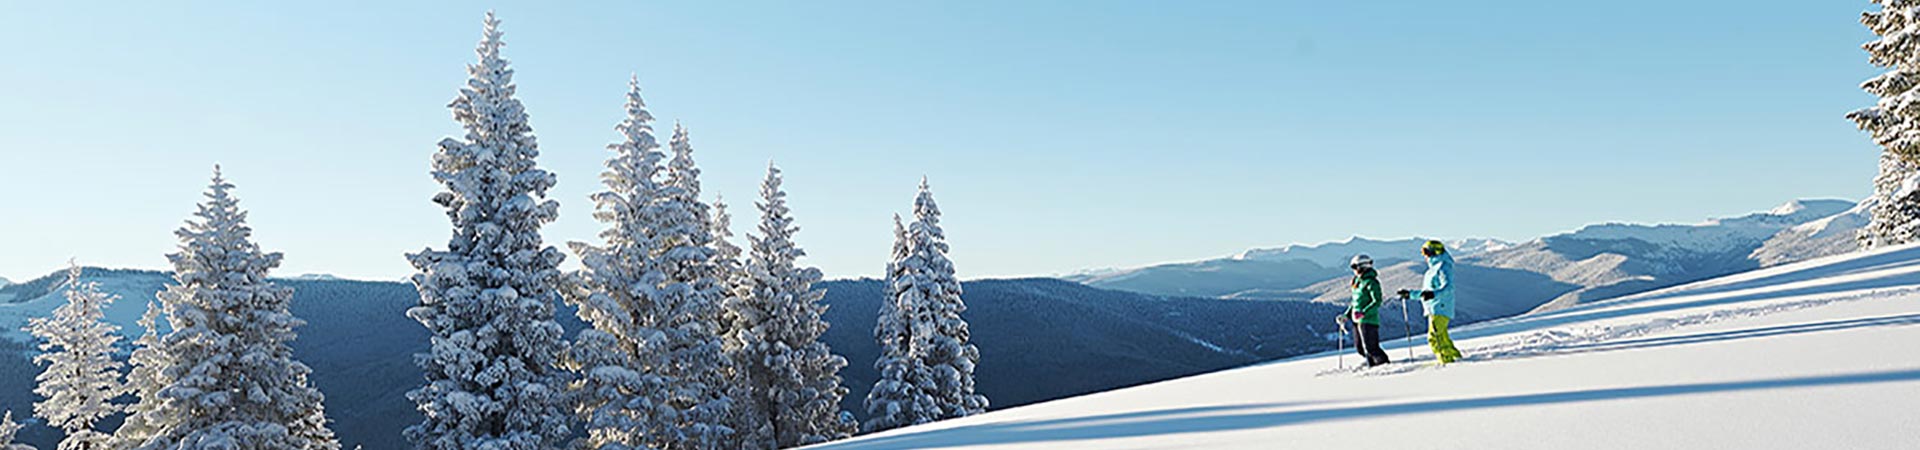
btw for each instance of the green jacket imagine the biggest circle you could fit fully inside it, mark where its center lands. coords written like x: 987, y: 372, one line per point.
x: 1367, y: 297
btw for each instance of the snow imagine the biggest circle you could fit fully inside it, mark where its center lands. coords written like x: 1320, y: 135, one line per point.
x: 1795, y: 356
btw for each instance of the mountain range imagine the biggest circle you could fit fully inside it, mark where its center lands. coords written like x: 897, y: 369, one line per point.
x: 1499, y: 279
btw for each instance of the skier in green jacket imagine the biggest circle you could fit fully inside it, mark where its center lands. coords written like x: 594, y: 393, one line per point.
x: 1365, y: 310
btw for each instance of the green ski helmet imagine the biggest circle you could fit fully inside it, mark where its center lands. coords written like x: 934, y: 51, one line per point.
x: 1433, y: 248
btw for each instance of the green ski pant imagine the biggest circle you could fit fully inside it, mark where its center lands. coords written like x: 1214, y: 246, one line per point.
x: 1438, y: 339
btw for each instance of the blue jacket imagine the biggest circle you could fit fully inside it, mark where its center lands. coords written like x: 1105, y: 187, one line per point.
x: 1439, y: 281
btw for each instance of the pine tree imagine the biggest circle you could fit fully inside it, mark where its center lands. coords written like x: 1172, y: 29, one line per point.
x: 898, y: 397
x: 7, y: 431
x: 623, y: 394
x: 794, y: 377
x: 81, y: 378
x: 1894, y: 122
x: 693, y: 292
x: 493, y: 375
x: 928, y: 280
x: 232, y: 381
x: 144, y: 382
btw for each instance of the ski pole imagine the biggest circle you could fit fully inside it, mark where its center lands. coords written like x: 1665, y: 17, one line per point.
x: 1409, y: 326
x: 1342, y: 322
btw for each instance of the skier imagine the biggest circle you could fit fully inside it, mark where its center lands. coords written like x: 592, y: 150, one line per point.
x: 1436, y: 295
x: 1365, y: 310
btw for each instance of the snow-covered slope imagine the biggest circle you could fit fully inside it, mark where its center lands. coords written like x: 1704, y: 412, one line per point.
x: 38, y: 298
x: 1804, y: 355
x: 1836, y: 234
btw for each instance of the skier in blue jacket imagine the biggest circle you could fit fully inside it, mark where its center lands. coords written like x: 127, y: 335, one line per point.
x: 1436, y: 295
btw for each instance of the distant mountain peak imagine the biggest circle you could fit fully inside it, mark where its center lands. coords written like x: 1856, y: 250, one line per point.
x: 1334, y: 254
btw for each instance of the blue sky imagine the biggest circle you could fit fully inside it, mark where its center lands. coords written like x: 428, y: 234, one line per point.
x: 1058, y: 135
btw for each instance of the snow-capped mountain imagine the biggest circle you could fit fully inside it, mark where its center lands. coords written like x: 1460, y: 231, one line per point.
x: 1503, y: 279
x: 1833, y: 235
x: 1785, y: 357
x: 1268, y: 273
x: 1335, y: 255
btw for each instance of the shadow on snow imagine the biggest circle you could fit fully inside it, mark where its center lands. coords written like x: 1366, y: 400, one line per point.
x: 1249, y: 417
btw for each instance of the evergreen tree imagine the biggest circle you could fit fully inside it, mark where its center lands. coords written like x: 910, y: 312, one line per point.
x: 703, y: 378
x: 1894, y: 122
x: 623, y: 392
x: 7, y: 431
x: 231, y: 381
x: 941, y: 339
x: 794, y: 377
x: 144, y: 382
x: 81, y: 378
x: 898, y: 397
x: 493, y: 379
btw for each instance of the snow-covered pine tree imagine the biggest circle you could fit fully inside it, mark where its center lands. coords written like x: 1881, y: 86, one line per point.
x: 81, y: 378
x: 703, y: 377
x: 144, y: 382
x: 928, y: 280
x: 1894, y: 122
x: 794, y: 377
x: 232, y: 381
x: 623, y: 393
x: 492, y: 371
x: 7, y: 431
x: 898, y: 397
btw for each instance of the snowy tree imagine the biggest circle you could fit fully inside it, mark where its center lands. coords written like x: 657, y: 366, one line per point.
x: 493, y: 379
x: 793, y: 377
x: 1894, y: 121
x: 622, y: 393
x: 81, y: 378
x: 654, y: 370
x: 7, y: 431
x: 897, y: 398
x: 693, y: 292
x: 231, y: 380
x: 144, y: 382
x: 941, y: 338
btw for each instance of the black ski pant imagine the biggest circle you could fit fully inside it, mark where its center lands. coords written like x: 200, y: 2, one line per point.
x: 1367, y: 342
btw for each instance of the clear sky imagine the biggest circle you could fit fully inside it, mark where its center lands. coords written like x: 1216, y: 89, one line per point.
x: 1058, y: 135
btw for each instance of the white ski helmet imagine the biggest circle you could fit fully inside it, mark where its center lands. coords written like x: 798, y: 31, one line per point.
x: 1361, y: 260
